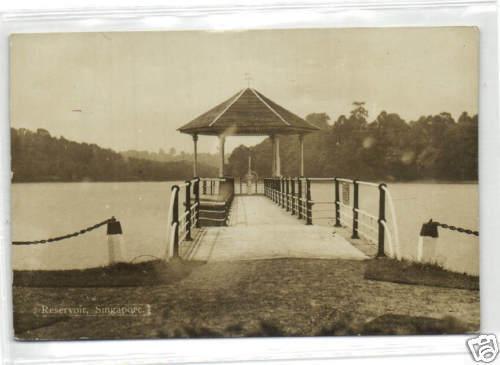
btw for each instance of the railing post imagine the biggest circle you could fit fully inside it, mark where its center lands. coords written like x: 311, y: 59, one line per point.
x: 204, y: 187
x: 292, y: 182
x: 275, y: 190
x: 381, y: 219
x: 278, y: 191
x: 337, y: 204
x: 256, y: 182
x: 355, y: 208
x: 299, y: 197
x: 241, y: 186
x: 197, y: 199
x: 286, y: 193
x: 287, y: 187
x: 308, y: 203
x: 278, y: 187
x: 175, y: 219
x: 282, y: 189
x: 187, y: 205
x: 277, y: 184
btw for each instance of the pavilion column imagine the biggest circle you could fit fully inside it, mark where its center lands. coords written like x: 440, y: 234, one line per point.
x: 301, y: 141
x: 195, y: 156
x: 278, y: 162
x: 273, y: 151
x: 222, y: 140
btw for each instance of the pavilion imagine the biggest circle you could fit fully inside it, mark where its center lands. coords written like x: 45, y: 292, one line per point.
x: 249, y: 113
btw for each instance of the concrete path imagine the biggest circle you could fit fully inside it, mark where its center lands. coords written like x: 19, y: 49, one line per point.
x: 259, y: 229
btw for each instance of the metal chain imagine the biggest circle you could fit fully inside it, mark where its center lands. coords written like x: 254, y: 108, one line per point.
x: 458, y: 229
x: 60, y: 238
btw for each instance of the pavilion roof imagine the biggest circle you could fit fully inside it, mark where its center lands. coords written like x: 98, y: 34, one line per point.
x: 248, y: 112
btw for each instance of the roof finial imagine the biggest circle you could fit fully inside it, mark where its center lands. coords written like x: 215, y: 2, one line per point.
x: 248, y: 78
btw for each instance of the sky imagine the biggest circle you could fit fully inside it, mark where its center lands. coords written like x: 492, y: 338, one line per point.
x: 132, y: 90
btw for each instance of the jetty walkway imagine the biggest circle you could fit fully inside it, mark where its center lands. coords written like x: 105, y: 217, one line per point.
x: 219, y: 219
x: 258, y: 229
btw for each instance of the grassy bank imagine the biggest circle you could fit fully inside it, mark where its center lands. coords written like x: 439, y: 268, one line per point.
x: 281, y: 297
x: 122, y: 274
x: 406, y: 272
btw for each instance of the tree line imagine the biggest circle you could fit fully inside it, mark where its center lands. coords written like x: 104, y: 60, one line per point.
x: 172, y: 155
x: 434, y: 147
x: 40, y: 157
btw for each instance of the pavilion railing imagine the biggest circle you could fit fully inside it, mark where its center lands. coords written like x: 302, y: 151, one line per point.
x: 183, y: 221
x: 218, y: 210
x: 243, y: 186
x: 294, y: 195
x: 211, y: 185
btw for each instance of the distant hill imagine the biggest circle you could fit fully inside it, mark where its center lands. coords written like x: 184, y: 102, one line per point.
x: 39, y: 157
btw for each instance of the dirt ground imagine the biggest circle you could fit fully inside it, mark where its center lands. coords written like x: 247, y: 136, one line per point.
x: 281, y: 297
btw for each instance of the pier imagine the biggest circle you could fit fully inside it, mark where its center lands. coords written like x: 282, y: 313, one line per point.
x: 273, y: 218
x: 258, y: 229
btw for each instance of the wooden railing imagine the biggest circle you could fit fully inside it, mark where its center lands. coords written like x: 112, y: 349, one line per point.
x: 294, y: 195
x: 181, y: 223
x: 195, y: 211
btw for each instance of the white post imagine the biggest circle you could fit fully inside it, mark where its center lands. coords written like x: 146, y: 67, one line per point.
x: 427, y: 245
x: 278, y: 162
x: 222, y: 140
x: 301, y: 141
x: 115, y: 253
x: 420, y: 248
x: 115, y: 242
x: 195, y: 157
x: 427, y: 250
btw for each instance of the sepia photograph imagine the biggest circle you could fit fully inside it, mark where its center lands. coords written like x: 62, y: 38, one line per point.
x: 256, y: 183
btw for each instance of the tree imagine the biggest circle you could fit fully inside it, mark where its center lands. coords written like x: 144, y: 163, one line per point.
x: 238, y: 161
x: 359, y: 112
x: 388, y: 148
x: 320, y: 120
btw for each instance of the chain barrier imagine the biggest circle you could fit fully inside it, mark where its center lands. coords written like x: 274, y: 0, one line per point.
x: 60, y: 238
x: 458, y: 229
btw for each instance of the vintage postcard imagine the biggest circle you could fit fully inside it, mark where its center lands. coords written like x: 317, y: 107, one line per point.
x: 292, y: 182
